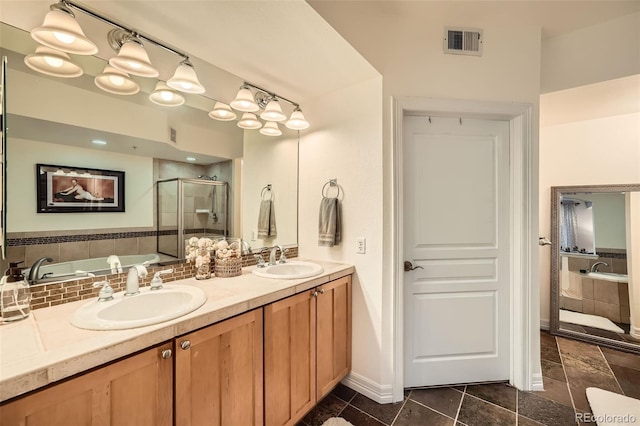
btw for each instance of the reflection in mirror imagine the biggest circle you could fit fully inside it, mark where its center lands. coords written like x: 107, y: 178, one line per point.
x: 593, y: 297
x: 54, y: 121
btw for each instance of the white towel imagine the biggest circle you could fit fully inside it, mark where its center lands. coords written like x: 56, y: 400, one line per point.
x: 329, y: 223
x: 267, y: 220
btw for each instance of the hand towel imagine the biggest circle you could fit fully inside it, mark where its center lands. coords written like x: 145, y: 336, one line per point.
x: 329, y: 223
x: 267, y: 220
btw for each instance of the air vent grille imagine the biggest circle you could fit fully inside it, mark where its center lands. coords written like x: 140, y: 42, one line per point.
x: 463, y: 41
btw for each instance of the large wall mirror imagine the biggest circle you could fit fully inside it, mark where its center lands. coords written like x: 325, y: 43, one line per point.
x: 58, y: 121
x: 595, y: 295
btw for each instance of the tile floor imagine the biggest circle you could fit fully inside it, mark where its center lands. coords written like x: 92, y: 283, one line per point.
x: 568, y: 368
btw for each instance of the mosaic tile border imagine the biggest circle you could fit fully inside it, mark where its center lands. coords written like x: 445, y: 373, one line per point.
x: 30, y: 241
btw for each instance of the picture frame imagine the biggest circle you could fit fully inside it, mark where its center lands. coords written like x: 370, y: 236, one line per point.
x: 70, y: 189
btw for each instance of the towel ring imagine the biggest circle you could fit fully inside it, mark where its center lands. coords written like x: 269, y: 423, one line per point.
x: 331, y: 183
x: 266, y: 190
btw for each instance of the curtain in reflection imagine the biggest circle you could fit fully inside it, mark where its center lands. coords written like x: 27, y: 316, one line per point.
x: 569, y: 226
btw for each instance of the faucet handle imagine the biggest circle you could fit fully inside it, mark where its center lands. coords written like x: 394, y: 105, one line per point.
x: 156, y: 281
x: 260, y: 260
x: 106, y: 292
x: 283, y: 258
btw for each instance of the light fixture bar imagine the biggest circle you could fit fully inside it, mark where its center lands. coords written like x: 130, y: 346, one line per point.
x: 271, y: 94
x: 99, y: 17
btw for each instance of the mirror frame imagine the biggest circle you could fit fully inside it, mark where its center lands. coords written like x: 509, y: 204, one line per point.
x: 554, y: 326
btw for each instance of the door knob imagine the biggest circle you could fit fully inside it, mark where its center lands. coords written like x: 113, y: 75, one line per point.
x: 544, y: 241
x: 408, y: 266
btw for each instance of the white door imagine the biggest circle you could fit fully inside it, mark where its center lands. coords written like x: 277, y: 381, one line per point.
x: 456, y: 235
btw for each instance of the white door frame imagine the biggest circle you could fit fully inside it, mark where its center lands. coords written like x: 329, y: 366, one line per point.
x: 523, y: 219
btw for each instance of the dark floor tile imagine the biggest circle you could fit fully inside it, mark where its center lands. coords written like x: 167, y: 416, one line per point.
x: 358, y: 418
x: 413, y: 414
x: 330, y: 406
x: 343, y: 392
x: 556, y: 390
x: 476, y: 412
x: 624, y: 359
x: 553, y: 370
x: 523, y: 421
x: 498, y: 393
x: 580, y: 380
x: 629, y: 380
x: 549, y: 348
x: 383, y: 412
x: 582, y: 356
x: 544, y: 410
x: 443, y: 400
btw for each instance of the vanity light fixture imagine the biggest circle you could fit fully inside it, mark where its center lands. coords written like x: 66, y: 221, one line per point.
x: 222, y: 112
x: 249, y: 121
x: 297, y: 120
x: 185, y: 79
x: 271, y: 129
x: 273, y: 112
x: 132, y: 58
x: 61, y: 31
x: 114, y: 81
x: 166, y: 96
x: 244, y: 100
x: 52, y: 62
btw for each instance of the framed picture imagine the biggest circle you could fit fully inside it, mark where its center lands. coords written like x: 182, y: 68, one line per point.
x: 66, y: 189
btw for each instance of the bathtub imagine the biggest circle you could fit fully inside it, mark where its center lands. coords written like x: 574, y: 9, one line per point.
x: 88, y: 267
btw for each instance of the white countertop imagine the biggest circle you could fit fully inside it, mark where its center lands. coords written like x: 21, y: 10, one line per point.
x: 45, y: 347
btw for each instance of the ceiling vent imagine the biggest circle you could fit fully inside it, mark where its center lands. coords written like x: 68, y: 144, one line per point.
x: 463, y: 41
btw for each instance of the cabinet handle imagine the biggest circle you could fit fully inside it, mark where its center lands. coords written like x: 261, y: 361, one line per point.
x: 314, y: 293
x: 321, y: 290
x: 166, y: 354
x: 185, y: 345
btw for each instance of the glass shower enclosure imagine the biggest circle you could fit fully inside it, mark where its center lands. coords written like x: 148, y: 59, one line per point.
x: 190, y: 208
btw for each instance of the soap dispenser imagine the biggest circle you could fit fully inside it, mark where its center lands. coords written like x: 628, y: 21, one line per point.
x: 15, y: 295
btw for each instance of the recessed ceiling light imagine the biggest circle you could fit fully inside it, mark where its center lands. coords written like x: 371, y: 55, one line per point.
x: 99, y: 142
x: 191, y: 158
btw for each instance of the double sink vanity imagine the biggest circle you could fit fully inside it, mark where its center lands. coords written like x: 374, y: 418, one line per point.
x: 259, y: 348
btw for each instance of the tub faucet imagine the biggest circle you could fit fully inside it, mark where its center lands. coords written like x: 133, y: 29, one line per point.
x: 35, y: 269
x: 133, y: 279
x: 594, y: 267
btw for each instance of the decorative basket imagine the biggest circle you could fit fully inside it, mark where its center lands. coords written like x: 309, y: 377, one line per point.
x: 230, y: 267
x: 228, y: 257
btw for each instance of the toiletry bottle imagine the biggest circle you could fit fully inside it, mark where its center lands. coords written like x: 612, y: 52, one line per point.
x: 15, y: 295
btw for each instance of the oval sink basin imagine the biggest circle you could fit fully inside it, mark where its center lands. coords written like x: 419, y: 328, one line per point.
x: 146, y: 308
x: 291, y: 270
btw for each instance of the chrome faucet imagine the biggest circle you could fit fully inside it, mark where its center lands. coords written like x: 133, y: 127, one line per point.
x: 272, y: 255
x: 133, y: 284
x: 594, y: 267
x: 35, y: 269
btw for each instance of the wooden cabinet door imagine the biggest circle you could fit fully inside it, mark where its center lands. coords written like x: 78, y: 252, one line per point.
x: 137, y: 390
x: 333, y: 330
x: 289, y: 376
x: 219, y: 373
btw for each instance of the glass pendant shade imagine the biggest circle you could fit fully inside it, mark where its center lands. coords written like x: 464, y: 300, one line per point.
x: 117, y: 82
x: 185, y: 79
x: 52, y: 62
x: 249, y: 121
x: 222, y: 112
x: 61, y: 31
x: 273, y: 112
x: 297, y: 121
x: 244, y: 101
x: 165, y: 95
x: 133, y: 59
x: 271, y: 129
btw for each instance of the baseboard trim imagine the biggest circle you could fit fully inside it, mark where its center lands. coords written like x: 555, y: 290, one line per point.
x: 382, y: 394
x: 544, y: 324
x: 536, y: 382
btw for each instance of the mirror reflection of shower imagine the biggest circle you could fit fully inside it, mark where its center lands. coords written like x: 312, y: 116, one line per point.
x: 191, y: 208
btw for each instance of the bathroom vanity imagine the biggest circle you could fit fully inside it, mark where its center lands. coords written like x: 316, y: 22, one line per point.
x: 259, y: 351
